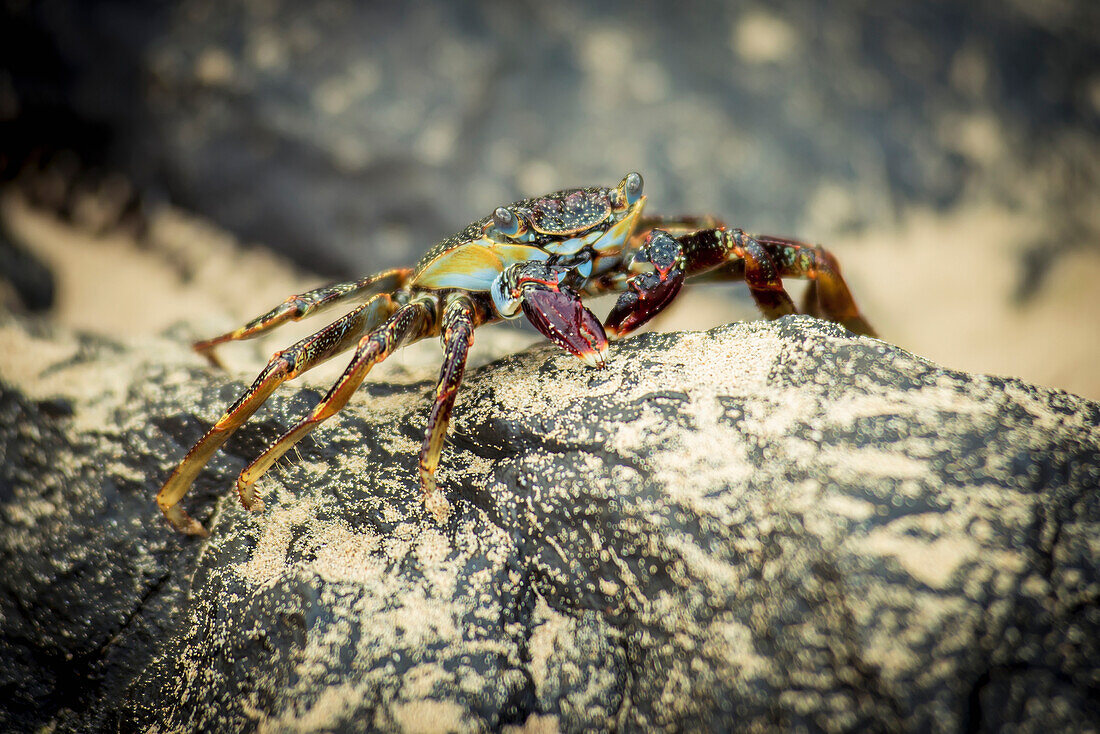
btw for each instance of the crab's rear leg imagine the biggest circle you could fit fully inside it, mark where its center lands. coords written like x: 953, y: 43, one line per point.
x: 306, y: 304
x: 408, y: 324
x: 283, y: 365
x: 827, y: 294
x: 459, y: 320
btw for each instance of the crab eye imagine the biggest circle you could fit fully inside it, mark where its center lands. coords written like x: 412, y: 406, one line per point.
x: 631, y: 187
x: 506, y: 222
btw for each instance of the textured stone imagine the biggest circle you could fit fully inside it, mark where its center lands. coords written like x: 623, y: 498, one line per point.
x: 765, y: 525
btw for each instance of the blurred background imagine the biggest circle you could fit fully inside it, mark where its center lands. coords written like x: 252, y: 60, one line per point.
x: 948, y: 153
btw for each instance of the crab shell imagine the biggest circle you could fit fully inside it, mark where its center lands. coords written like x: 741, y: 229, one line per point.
x: 559, y: 227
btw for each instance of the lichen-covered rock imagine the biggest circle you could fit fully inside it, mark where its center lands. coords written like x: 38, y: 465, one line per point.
x: 768, y: 525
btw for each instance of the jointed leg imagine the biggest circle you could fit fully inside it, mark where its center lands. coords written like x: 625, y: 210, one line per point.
x: 827, y: 295
x: 284, y: 365
x: 409, y: 324
x: 761, y: 261
x: 766, y: 259
x: 457, y: 336
x: 298, y: 307
x: 761, y: 272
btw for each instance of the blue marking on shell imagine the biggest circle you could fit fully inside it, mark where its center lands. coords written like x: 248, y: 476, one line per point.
x: 610, y: 241
x: 473, y: 266
x: 571, y: 246
x: 507, y: 306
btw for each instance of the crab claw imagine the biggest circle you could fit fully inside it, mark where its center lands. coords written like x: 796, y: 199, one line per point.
x: 649, y: 292
x: 562, y: 318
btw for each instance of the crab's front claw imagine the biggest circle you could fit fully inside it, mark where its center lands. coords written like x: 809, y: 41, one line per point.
x: 648, y: 293
x: 559, y: 314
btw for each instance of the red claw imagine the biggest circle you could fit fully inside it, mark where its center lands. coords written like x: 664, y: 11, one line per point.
x: 648, y: 294
x: 562, y: 318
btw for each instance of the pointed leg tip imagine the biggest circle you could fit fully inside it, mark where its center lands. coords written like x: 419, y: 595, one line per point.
x: 247, y: 494
x: 184, y: 523
x: 206, y: 351
x: 435, y: 503
x: 859, y: 325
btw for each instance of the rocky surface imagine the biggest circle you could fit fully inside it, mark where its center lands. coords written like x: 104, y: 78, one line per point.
x: 763, y: 526
x: 767, y: 525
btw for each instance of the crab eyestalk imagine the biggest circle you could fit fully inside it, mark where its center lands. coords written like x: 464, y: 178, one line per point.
x: 649, y: 292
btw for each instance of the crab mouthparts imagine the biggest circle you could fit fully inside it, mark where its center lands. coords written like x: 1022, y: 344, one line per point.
x: 564, y: 320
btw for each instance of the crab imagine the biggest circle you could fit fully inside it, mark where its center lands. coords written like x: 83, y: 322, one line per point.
x: 540, y: 257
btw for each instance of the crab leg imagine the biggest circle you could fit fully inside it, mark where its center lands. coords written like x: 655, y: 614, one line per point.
x: 300, y: 306
x: 710, y: 248
x: 457, y: 337
x: 725, y: 254
x: 408, y: 324
x: 827, y: 295
x: 283, y: 365
x: 679, y: 225
x: 761, y: 273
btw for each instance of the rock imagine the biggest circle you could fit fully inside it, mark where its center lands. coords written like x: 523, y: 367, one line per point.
x: 767, y: 525
x: 352, y: 136
x: 26, y: 283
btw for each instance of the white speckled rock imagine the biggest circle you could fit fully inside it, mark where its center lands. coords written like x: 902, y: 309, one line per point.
x: 765, y: 525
